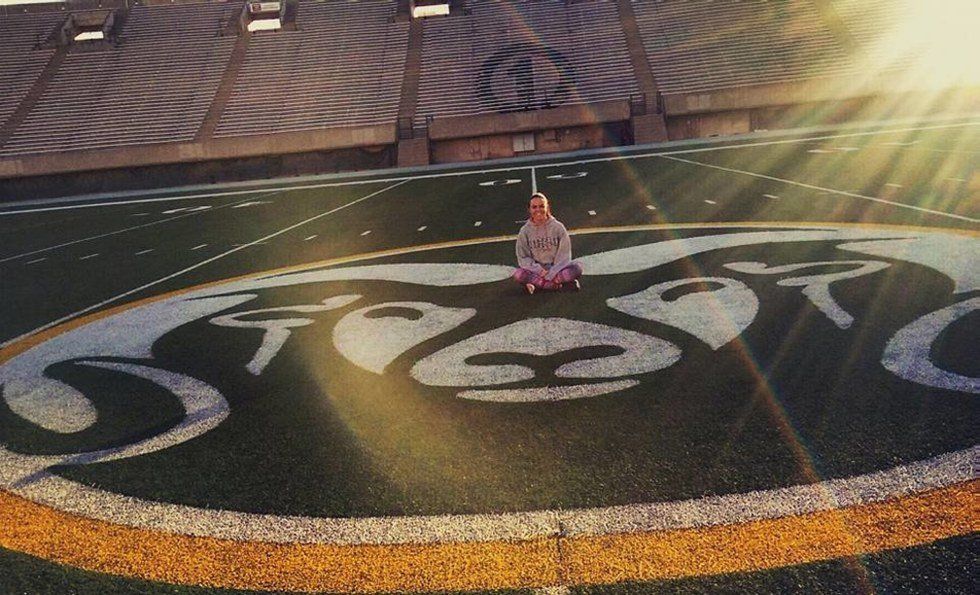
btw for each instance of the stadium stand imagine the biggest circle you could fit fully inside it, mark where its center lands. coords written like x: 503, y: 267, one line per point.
x: 702, y: 45
x: 154, y: 86
x: 22, y: 57
x: 518, y: 56
x: 870, y: 22
x: 342, y: 67
x: 349, y: 84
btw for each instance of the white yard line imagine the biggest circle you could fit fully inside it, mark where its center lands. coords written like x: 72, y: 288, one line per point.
x: 514, y: 167
x: 827, y: 190
x: 130, y: 292
x: 534, y: 180
x: 112, y: 233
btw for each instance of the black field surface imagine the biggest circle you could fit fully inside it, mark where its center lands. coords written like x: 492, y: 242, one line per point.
x: 767, y: 383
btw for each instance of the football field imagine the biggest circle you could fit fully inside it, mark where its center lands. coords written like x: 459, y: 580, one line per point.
x: 768, y: 382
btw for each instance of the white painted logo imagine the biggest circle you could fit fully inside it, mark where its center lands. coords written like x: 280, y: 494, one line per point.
x: 489, y: 366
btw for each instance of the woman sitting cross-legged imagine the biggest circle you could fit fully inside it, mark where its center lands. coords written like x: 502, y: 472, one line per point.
x: 544, y: 251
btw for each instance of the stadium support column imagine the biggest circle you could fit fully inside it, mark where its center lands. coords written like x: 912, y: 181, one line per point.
x: 413, y: 143
x: 647, y: 120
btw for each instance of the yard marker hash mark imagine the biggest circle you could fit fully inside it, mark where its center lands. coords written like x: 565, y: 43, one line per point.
x: 366, y: 232
x: 200, y: 264
x: 711, y: 202
x: 422, y: 228
x: 105, y: 235
x: 651, y: 207
x: 89, y: 256
x: 824, y: 190
x: 477, y: 223
x: 198, y: 247
x: 308, y: 238
x: 36, y: 260
x: 770, y: 196
x: 144, y: 251
x: 592, y: 213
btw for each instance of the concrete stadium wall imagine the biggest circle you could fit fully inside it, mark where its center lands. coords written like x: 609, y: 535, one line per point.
x: 145, y: 177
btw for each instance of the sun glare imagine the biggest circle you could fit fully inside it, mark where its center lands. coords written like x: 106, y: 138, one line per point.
x: 938, y: 41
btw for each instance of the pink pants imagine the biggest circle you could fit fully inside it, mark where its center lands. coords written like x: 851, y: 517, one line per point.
x: 566, y: 275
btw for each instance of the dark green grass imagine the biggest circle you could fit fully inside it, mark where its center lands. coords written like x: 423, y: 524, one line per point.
x: 947, y: 567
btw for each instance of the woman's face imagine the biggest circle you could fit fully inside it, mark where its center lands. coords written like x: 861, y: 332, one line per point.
x: 538, y: 208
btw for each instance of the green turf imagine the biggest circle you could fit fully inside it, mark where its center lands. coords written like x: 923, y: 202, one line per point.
x: 947, y: 567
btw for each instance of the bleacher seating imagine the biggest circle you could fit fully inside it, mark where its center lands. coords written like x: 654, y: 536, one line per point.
x: 872, y: 23
x: 342, y: 67
x: 705, y: 45
x: 21, y: 58
x: 155, y: 86
x: 559, y: 54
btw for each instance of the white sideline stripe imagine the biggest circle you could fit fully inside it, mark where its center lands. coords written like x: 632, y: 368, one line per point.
x: 515, y: 167
x: 110, y: 233
x: 192, y: 267
x: 826, y: 190
x: 139, y: 201
x: 89, y: 256
x: 144, y: 252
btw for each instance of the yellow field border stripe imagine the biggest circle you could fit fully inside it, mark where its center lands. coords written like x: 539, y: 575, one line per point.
x: 157, y: 556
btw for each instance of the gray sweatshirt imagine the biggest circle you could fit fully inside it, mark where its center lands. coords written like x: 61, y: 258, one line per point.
x: 544, y: 249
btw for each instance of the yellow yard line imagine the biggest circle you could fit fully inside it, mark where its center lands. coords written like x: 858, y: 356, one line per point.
x: 99, y: 546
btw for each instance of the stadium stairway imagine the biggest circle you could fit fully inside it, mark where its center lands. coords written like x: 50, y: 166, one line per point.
x: 650, y: 126
x: 225, y: 88
x: 412, y: 151
x: 32, y: 97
